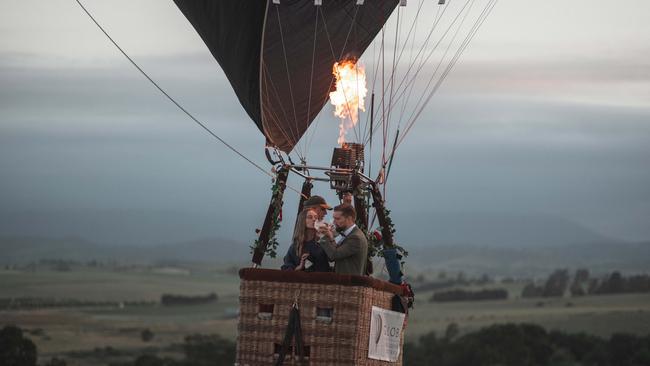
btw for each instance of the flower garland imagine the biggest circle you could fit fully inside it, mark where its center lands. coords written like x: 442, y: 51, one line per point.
x: 276, y: 203
x: 363, y: 195
x: 376, y: 241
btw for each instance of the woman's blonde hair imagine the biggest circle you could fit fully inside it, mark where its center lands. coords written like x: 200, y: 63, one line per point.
x: 300, y: 231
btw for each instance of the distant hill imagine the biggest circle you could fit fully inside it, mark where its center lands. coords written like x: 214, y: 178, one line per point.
x: 414, y: 228
x: 491, y: 229
x: 137, y: 227
x: 597, y: 257
x: 493, y: 243
x: 471, y: 259
x: 215, y: 250
x: 28, y: 249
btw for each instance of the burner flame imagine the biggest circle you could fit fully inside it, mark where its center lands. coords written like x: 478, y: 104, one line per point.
x: 349, y: 96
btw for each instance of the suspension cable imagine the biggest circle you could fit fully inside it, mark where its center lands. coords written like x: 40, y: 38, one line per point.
x: 426, y: 88
x: 442, y: 59
x: 286, y: 64
x: 417, y: 56
x: 423, y: 61
x: 428, y: 94
x: 477, y: 25
x: 171, y: 99
x: 311, y: 75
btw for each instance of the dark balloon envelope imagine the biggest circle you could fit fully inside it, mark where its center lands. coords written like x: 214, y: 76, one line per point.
x: 279, y: 57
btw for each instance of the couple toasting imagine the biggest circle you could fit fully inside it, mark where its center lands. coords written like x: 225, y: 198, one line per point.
x: 316, y: 243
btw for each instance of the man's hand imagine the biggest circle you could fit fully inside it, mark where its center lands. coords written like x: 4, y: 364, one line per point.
x: 327, y: 231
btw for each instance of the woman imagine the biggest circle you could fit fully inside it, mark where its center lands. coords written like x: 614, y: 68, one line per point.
x: 305, y: 249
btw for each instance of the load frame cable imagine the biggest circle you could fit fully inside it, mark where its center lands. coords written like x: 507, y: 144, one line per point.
x: 171, y: 99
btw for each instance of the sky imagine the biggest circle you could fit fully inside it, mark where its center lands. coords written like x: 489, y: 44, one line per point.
x: 546, y: 115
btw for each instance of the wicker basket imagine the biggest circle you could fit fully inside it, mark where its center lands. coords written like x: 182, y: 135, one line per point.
x: 335, y: 313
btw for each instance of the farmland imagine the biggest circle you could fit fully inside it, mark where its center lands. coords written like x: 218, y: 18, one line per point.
x: 121, y: 303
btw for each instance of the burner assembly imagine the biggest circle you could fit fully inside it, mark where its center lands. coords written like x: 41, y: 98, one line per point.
x: 347, y: 161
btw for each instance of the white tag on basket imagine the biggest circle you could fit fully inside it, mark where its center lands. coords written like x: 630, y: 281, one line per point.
x: 385, y: 334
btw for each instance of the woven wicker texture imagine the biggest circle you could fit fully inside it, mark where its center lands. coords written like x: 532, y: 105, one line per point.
x: 339, y: 340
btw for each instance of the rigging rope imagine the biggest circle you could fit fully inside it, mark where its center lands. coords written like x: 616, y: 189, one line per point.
x: 477, y: 25
x: 171, y: 99
x: 393, y: 71
x: 479, y: 22
x: 274, y: 118
x: 424, y: 61
x: 311, y: 76
x: 405, y: 87
x: 286, y: 64
x: 411, y: 87
x: 426, y: 88
x: 417, y: 56
x: 442, y: 59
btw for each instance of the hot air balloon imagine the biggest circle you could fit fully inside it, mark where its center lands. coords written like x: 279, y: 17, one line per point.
x: 279, y: 58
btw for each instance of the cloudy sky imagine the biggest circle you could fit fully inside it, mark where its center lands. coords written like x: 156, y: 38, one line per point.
x: 547, y: 113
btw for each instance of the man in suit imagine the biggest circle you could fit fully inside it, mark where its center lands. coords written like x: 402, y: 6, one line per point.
x: 348, y: 249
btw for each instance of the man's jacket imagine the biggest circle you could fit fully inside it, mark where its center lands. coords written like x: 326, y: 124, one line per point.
x: 350, y: 256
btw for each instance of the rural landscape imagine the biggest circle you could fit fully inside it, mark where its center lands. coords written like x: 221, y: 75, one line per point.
x: 80, y: 310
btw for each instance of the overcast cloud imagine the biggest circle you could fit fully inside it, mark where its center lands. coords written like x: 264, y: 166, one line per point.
x: 547, y: 113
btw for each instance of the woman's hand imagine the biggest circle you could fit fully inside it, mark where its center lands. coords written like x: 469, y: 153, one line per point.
x: 303, y: 258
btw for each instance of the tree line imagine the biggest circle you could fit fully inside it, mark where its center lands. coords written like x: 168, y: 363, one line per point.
x: 464, y: 295
x: 502, y: 344
x: 30, y: 303
x: 171, y: 299
x: 198, y: 350
x: 560, y: 281
x: 558, y: 284
x: 527, y: 345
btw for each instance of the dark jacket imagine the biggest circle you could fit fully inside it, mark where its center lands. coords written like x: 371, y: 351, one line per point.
x: 317, y: 256
x: 351, y: 255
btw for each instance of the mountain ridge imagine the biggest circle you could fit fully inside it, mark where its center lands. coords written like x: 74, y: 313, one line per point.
x: 471, y: 259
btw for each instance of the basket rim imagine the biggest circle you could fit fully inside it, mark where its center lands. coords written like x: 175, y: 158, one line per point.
x: 324, y: 278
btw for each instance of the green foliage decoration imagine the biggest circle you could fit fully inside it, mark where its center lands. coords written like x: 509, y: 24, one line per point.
x: 15, y: 348
x: 276, y: 203
x: 376, y: 244
x: 362, y: 194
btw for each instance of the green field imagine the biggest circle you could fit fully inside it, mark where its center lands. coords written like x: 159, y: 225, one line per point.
x: 83, y: 329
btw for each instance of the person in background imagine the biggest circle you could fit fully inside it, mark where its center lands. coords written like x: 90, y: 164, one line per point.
x: 347, y: 198
x: 348, y: 249
x: 318, y: 204
x: 305, y: 254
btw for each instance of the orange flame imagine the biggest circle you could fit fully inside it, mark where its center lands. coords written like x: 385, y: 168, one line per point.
x: 348, y: 98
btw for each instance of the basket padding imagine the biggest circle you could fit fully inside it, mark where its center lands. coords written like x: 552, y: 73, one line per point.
x: 324, y: 278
